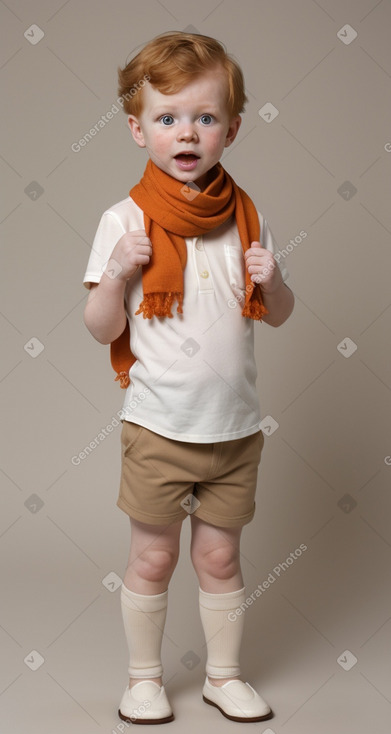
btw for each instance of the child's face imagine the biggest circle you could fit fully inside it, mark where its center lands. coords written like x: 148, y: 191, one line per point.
x: 193, y: 120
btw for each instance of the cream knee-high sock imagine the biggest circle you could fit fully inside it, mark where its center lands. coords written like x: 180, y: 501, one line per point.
x: 144, y: 618
x: 223, y: 631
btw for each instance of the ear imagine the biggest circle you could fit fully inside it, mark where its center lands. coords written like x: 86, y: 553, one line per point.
x: 233, y: 130
x: 136, y: 131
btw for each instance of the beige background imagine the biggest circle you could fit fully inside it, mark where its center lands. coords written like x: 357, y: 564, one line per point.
x: 320, y: 166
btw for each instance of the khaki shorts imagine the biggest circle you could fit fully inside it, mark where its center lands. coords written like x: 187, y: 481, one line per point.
x: 163, y: 480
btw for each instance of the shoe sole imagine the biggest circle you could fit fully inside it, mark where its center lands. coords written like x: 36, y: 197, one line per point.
x: 139, y: 720
x: 242, y: 719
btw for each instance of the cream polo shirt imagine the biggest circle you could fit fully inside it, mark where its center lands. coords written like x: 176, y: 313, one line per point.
x: 194, y: 375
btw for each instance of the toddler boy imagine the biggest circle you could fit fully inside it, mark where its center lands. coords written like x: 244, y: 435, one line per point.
x: 178, y: 273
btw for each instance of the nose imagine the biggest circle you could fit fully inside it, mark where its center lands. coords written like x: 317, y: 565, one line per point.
x: 187, y: 132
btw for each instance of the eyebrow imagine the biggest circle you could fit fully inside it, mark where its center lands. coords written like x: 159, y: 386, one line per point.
x: 160, y: 109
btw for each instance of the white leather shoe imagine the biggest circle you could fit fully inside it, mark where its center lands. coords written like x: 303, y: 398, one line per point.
x: 237, y: 701
x: 145, y: 703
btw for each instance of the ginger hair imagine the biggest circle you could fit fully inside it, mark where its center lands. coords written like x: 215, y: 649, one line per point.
x: 174, y: 59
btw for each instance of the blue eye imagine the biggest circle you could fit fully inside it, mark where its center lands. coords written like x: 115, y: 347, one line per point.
x: 167, y: 119
x: 206, y: 119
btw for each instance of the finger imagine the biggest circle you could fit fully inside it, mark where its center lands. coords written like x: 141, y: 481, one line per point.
x: 139, y: 236
x: 143, y: 241
x: 257, y: 259
x: 143, y: 259
x: 254, y: 246
x: 138, y: 232
x: 144, y: 250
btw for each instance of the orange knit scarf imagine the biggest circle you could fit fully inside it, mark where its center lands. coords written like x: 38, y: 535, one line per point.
x: 170, y: 215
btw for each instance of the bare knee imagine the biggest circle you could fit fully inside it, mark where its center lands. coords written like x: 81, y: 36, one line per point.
x: 155, y: 564
x: 221, y: 563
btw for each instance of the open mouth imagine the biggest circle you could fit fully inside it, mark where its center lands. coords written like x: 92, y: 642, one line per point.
x: 186, y: 157
x: 186, y: 161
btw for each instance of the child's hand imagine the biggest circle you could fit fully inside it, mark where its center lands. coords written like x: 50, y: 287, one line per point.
x: 132, y: 250
x: 262, y: 267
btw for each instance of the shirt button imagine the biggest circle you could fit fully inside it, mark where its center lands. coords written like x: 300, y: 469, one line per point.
x: 204, y: 274
x: 199, y: 246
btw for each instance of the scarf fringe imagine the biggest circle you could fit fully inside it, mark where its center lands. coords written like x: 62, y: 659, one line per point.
x: 255, y: 309
x: 124, y: 380
x: 160, y: 304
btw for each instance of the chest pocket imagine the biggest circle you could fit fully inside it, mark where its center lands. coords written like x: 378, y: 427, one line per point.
x: 236, y: 269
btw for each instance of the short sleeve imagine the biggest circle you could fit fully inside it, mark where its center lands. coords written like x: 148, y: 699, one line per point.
x: 109, y: 231
x: 269, y: 243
